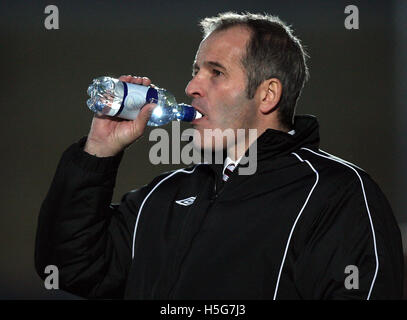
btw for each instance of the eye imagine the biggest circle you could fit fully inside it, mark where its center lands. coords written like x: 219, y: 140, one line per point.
x: 216, y: 72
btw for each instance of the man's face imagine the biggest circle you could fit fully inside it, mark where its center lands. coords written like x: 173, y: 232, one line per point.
x: 218, y: 87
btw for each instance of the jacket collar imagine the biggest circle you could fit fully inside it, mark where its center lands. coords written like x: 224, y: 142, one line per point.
x: 274, y: 143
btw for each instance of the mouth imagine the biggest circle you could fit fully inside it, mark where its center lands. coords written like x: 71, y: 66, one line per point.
x: 200, y: 115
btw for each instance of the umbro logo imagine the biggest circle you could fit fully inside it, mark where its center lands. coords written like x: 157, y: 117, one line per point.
x: 186, y: 202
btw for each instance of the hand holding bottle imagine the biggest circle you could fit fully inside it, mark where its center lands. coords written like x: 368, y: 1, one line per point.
x: 110, y: 135
x: 115, y: 98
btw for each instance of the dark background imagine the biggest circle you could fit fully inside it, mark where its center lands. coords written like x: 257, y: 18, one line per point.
x: 357, y: 90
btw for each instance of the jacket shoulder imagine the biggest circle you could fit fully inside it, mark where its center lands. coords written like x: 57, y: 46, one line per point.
x: 333, y: 167
x: 145, y: 189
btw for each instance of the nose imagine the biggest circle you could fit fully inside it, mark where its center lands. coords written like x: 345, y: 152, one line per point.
x: 194, y: 88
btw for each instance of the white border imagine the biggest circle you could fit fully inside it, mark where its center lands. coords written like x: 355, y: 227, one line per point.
x: 367, y: 208
x: 296, y: 220
x: 145, y: 199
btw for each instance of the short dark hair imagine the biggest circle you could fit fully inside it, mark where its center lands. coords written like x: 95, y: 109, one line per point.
x: 272, y: 52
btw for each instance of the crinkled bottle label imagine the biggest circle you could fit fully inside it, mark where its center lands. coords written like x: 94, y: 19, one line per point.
x: 135, y: 99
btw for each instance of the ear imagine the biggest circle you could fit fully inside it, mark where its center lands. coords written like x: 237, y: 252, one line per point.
x: 270, y: 94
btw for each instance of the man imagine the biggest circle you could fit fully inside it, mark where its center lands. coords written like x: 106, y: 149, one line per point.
x: 305, y: 225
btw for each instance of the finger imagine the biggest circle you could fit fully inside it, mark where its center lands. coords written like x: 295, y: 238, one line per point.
x: 146, y: 111
x: 125, y: 78
x: 136, y: 80
x: 100, y: 115
x: 141, y: 121
x: 131, y: 79
x: 146, y: 81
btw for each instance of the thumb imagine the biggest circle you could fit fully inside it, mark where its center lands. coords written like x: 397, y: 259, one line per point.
x: 146, y: 111
x: 140, y: 122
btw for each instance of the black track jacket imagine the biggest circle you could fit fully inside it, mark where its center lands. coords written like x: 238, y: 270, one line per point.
x: 296, y: 229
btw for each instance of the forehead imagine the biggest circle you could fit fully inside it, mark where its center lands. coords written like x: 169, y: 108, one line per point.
x: 226, y: 46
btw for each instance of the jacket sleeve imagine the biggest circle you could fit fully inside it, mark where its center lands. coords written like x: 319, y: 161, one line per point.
x: 79, y: 231
x: 354, y: 248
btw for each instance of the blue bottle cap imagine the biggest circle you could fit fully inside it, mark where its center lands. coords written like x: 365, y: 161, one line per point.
x: 188, y: 113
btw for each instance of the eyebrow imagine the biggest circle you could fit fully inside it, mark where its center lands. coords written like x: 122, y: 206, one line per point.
x: 209, y: 63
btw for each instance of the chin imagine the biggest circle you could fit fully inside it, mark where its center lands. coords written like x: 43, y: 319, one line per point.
x: 208, y: 140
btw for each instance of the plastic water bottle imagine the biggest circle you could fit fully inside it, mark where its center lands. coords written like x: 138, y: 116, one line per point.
x: 113, y: 97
